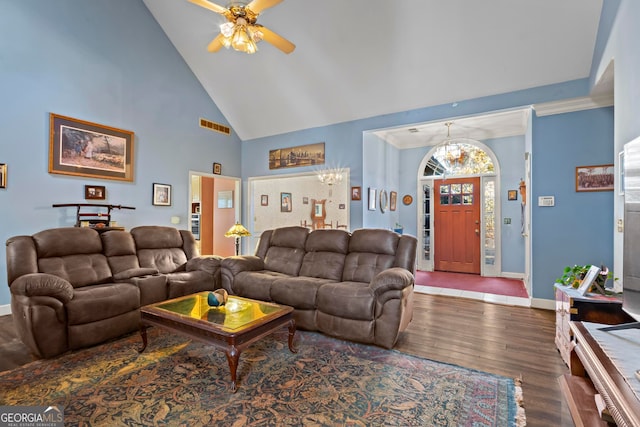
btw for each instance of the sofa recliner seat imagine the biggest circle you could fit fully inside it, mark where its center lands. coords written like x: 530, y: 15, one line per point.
x: 73, y: 287
x: 357, y: 286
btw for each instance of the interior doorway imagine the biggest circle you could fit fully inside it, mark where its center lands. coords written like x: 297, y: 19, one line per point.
x: 214, y: 207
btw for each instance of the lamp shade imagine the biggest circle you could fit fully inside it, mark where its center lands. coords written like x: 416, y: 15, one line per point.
x: 237, y: 230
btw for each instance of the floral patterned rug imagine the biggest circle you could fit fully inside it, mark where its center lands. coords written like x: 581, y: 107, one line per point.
x: 179, y: 382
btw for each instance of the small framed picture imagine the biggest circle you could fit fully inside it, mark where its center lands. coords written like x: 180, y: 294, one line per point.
x: 586, y: 283
x: 594, y: 178
x: 3, y: 175
x: 372, y: 199
x: 217, y: 168
x: 161, y: 194
x: 95, y: 192
x: 356, y: 193
x: 512, y: 194
x: 264, y: 200
x: 305, y: 200
x: 393, y: 200
x: 285, y: 202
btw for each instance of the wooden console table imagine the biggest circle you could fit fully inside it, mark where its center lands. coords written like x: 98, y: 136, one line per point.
x: 571, y: 306
x: 599, y: 365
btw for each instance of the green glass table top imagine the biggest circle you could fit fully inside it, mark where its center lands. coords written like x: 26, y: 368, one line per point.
x: 236, y: 314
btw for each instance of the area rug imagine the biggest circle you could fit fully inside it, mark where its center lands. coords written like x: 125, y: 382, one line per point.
x: 329, y: 382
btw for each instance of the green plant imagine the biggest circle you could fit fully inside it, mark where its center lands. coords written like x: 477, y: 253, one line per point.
x: 572, y: 276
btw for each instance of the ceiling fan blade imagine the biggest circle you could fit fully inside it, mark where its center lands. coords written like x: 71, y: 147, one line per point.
x: 278, y: 41
x: 211, y: 6
x: 216, y: 44
x: 258, y: 6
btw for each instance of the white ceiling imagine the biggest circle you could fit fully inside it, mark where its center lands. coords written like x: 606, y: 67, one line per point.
x: 362, y: 58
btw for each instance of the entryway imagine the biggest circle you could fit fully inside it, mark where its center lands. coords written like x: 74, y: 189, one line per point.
x: 497, y: 290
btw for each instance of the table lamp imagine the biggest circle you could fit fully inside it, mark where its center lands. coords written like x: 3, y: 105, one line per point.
x: 237, y: 231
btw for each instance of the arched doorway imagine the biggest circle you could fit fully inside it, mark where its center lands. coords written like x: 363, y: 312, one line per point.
x: 459, y: 203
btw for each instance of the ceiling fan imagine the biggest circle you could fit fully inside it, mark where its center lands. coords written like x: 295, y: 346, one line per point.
x: 241, y: 31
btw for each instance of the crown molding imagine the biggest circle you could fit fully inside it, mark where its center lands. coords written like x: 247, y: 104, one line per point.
x: 572, y: 105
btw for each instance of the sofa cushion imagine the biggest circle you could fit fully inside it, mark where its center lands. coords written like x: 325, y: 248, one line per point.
x: 98, y: 302
x: 256, y: 284
x: 59, y: 242
x: 165, y: 261
x: 325, y: 254
x: 374, y: 240
x: 156, y: 237
x: 298, y: 292
x: 284, y: 260
x: 120, y: 250
x: 79, y: 270
x: 190, y: 282
x: 364, y: 266
x: 349, y: 300
x: 286, y: 250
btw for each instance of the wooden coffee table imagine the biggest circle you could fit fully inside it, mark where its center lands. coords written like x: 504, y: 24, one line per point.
x: 232, y: 328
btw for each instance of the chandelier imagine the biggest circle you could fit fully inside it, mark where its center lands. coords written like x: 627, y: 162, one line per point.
x: 455, y: 154
x: 240, y: 36
x: 330, y: 176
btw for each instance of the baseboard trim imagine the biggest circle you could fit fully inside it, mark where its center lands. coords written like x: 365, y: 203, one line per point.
x: 5, y: 310
x: 508, y: 275
x: 546, y: 304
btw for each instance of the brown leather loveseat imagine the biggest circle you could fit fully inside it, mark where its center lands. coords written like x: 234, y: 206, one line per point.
x: 73, y: 287
x: 356, y: 286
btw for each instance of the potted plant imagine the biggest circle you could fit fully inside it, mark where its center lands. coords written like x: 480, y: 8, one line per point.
x: 572, y: 276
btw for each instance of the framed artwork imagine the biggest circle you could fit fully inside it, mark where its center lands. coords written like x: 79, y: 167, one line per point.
x: 594, y: 178
x: 372, y: 199
x: 81, y: 148
x: 285, y: 202
x: 356, y: 193
x: 302, y: 155
x: 3, y: 175
x: 512, y: 194
x: 264, y: 200
x: 586, y: 283
x: 95, y: 192
x: 225, y: 199
x: 161, y: 194
x: 217, y: 168
x: 393, y: 200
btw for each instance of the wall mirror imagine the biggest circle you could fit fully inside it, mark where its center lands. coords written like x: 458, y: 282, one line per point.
x: 384, y: 200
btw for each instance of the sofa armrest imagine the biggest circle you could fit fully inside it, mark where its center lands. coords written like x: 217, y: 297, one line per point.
x: 210, y: 264
x: 41, y: 284
x: 392, y: 279
x: 237, y: 264
x: 134, y: 272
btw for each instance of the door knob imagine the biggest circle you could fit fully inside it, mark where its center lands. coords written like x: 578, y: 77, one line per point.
x: 477, y: 231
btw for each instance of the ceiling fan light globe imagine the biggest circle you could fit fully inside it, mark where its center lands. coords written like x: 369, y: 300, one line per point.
x: 227, y: 29
x: 251, y: 47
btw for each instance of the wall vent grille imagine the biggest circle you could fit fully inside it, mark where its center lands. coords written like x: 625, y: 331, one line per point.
x: 217, y: 127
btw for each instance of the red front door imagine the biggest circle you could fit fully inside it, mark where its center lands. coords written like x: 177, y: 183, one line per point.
x: 456, y: 228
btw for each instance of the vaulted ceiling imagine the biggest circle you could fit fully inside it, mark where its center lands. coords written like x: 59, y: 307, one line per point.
x: 362, y: 58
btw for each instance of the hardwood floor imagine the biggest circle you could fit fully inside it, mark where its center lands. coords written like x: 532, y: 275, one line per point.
x: 516, y: 342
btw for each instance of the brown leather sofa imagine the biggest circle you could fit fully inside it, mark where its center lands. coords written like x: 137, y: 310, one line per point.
x: 356, y: 286
x: 73, y: 287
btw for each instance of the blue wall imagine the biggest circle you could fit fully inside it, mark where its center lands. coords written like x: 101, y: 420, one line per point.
x: 579, y: 228
x: 106, y: 62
